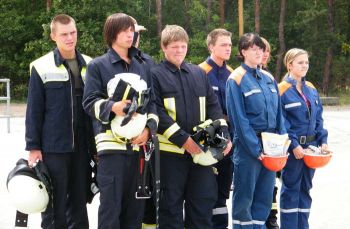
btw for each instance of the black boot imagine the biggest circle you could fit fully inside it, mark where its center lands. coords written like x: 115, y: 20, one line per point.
x: 271, y: 222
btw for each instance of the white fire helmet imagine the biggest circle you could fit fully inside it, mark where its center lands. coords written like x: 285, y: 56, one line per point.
x: 212, y: 144
x: 29, y: 188
x: 210, y: 157
x: 138, y: 121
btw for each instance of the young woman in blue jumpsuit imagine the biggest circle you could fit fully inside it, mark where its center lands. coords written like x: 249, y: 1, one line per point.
x: 253, y: 106
x: 302, y: 110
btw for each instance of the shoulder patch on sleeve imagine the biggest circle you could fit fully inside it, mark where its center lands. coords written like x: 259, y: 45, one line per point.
x: 309, y: 84
x: 283, y: 87
x: 205, y: 66
x: 268, y: 74
x: 229, y: 68
x: 237, y: 74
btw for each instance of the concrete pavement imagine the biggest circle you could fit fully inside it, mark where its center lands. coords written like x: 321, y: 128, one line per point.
x: 331, y: 191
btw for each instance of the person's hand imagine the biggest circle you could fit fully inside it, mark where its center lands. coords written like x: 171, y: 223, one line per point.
x: 34, y: 156
x: 118, y: 107
x: 191, y: 146
x: 142, y: 138
x: 298, y: 152
x: 324, y: 147
x: 228, y: 148
x: 261, y: 156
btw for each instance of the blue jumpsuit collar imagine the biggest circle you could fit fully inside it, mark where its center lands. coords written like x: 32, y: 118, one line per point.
x: 212, y: 63
x: 252, y: 71
x: 293, y: 82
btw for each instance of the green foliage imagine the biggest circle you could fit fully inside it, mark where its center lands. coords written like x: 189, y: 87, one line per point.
x: 24, y: 31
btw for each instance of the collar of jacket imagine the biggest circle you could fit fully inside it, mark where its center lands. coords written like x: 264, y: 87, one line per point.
x: 292, y: 81
x: 114, y: 56
x: 251, y: 71
x: 60, y: 60
x: 212, y: 63
x: 173, y: 68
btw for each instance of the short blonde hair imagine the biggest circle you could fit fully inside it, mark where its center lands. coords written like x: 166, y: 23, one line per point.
x: 172, y: 33
x: 292, y: 54
x: 62, y: 19
x: 215, y: 34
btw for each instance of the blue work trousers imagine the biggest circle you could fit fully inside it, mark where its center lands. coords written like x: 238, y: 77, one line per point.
x: 252, y: 193
x: 295, y: 200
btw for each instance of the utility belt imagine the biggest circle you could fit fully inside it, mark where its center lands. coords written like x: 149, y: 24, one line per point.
x: 306, y: 139
x: 258, y: 133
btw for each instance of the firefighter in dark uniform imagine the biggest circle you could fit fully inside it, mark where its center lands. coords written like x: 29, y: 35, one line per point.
x: 184, y: 99
x: 57, y: 128
x: 219, y: 45
x: 118, y: 164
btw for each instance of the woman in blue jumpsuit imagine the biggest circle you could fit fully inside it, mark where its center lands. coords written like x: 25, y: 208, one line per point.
x: 253, y: 106
x: 302, y: 110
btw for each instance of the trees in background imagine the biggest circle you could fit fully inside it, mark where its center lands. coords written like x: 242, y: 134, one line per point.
x: 320, y: 27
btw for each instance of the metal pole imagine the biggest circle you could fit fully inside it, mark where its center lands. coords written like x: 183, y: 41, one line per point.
x: 7, y: 98
x: 8, y: 95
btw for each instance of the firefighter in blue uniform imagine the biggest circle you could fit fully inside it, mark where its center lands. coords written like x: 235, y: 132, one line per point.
x: 253, y: 106
x: 57, y: 129
x: 184, y: 100
x: 118, y: 163
x: 302, y: 110
x: 219, y: 45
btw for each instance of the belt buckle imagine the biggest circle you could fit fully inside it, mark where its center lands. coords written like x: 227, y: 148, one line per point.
x: 141, y: 196
x: 302, y: 140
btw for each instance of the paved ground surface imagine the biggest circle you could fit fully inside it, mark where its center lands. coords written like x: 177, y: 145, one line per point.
x: 331, y: 191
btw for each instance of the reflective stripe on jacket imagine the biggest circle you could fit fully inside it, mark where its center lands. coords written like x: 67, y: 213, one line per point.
x: 99, y: 106
x: 299, y: 119
x: 49, y: 117
x: 184, y: 100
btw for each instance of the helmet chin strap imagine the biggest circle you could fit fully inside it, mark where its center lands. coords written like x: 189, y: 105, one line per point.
x: 38, y: 177
x: 21, y: 220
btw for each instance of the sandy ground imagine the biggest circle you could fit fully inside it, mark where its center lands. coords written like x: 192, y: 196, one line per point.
x: 331, y: 189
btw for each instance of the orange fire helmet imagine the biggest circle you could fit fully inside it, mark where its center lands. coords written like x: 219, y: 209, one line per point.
x: 274, y: 163
x: 315, y: 161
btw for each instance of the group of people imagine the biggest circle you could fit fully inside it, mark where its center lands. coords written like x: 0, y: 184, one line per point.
x: 69, y: 114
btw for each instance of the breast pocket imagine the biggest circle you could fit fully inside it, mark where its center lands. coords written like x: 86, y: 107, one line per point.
x: 55, y: 91
x: 274, y: 96
x: 253, y: 100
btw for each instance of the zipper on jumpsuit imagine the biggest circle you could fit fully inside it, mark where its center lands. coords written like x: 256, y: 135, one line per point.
x: 71, y: 100
x: 184, y: 95
x: 304, y: 98
x: 71, y: 103
x: 263, y: 92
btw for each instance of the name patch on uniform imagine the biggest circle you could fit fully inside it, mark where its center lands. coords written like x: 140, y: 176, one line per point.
x: 290, y: 105
x: 254, y: 91
x: 273, y: 90
x: 215, y: 88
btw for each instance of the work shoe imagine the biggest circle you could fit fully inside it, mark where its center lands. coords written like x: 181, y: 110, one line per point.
x: 272, y: 224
